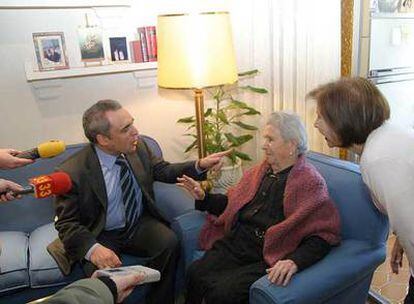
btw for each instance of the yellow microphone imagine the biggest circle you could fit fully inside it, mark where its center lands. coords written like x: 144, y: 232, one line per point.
x: 44, y: 150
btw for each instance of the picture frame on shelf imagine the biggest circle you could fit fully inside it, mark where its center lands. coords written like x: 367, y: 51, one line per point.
x: 406, y: 6
x: 119, y: 49
x: 91, y: 44
x: 50, y: 51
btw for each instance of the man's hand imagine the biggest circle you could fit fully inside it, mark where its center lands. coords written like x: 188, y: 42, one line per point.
x: 125, y: 284
x: 396, y: 256
x: 6, y: 187
x: 191, y: 186
x: 8, y: 160
x: 282, y: 272
x: 213, y: 161
x: 103, y: 257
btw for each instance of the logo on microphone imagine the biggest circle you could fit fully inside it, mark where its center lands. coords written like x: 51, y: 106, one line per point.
x: 42, y: 186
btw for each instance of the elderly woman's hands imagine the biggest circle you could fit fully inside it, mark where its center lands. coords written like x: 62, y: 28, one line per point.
x: 191, y: 186
x: 282, y: 272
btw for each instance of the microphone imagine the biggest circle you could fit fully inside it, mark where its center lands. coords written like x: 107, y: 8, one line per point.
x: 46, y: 185
x: 44, y: 150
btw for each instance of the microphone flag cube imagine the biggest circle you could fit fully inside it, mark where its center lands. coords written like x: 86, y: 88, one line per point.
x: 47, y: 185
x: 42, y: 186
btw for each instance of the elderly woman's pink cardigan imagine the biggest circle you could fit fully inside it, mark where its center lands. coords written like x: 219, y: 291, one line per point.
x: 308, y: 210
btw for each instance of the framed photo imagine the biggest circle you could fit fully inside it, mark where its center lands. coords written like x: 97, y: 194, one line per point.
x: 119, y: 51
x: 90, y: 43
x: 50, y: 51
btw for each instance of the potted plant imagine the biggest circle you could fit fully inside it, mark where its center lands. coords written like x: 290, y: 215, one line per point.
x: 224, y: 127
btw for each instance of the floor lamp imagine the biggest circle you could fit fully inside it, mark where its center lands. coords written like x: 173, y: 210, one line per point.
x: 195, y: 51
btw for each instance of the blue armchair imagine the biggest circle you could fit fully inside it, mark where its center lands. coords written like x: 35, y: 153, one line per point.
x: 27, y: 271
x: 345, y: 274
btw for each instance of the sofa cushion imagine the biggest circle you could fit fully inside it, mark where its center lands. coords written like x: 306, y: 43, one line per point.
x: 43, y: 269
x: 342, y: 176
x: 13, y: 261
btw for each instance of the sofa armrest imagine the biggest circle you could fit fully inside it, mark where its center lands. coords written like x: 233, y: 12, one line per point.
x: 172, y: 201
x: 187, y: 227
x: 340, y: 270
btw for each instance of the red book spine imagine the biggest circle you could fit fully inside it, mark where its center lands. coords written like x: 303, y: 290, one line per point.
x: 144, y: 44
x: 136, y: 51
x: 153, y: 38
x: 149, y: 46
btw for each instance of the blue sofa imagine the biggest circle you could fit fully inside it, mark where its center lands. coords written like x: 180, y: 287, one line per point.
x: 345, y: 274
x: 27, y: 271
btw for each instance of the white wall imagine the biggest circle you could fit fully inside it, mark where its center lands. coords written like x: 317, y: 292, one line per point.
x: 34, y: 112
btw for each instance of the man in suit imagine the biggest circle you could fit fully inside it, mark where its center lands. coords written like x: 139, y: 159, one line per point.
x: 110, y: 209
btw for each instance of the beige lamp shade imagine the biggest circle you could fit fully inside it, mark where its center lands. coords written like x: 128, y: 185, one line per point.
x: 195, y: 51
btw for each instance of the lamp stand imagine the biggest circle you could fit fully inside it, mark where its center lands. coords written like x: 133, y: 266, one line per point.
x: 199, y: 107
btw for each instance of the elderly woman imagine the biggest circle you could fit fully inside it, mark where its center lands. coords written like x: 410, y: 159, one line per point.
x: 352, y: 113
x: 278, y: 220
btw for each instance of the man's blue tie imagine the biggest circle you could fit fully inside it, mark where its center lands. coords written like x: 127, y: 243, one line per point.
x: 129, y: 194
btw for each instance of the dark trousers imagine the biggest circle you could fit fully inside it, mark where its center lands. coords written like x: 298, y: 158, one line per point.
x: 154, y: 240
x: 221, y: 278
x: 409, y: 299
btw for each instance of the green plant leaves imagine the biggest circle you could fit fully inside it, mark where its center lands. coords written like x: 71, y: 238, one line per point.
x: 224, y: 117
x: 242, y: 155
x: 254, y: 89
x: 208, y: 112
x: 188, y: 119
x: 251, y: 111
x: 248, y: 73
x: 237, y: 141
x: 190, y: 147
x: 245, y: 126
x: 237, y: 104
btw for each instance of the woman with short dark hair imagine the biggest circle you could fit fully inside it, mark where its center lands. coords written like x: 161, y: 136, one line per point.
x: 352, y: 113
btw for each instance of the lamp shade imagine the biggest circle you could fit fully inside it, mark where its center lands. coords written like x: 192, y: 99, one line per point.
x: 195, y: 51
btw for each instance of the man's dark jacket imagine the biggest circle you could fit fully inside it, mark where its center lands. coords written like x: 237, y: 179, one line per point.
x: 81, y: 213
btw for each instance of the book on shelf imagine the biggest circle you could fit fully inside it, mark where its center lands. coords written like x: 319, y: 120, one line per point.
x: 148, y: 37
x: 151, y: 35
x: 136, y: 51
x: 144, y: 44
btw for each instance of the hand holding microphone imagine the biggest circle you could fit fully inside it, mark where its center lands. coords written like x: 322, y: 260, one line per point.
x: 6, y: 187
x: 8, y: 159
x: 41, y: 186
x: 44, y: 150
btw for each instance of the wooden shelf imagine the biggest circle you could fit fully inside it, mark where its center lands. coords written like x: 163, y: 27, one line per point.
x: 30, y: 4
x: 392, y: 15
x: 32, y: 75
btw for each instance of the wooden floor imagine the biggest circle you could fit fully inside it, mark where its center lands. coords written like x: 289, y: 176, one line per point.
x: 390, y: 286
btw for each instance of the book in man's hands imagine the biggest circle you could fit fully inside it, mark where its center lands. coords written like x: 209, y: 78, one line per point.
x: 150, y: 275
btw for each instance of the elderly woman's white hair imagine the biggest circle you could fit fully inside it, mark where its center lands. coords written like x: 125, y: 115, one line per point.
x: 291, y: 128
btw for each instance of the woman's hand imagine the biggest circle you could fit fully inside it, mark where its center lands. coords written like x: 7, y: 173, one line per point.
x: 282, y: 272
x: 191, y: 186
x: 396, y: 256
